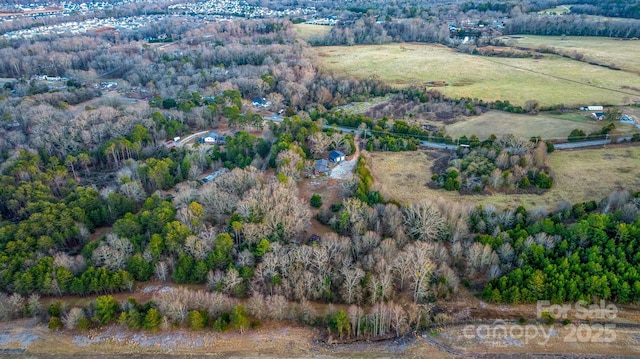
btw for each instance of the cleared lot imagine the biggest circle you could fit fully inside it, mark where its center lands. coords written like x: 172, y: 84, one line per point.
x: 552, y: 80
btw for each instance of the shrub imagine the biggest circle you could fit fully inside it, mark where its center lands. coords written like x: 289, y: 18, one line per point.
x: 548, y: 317
x: 55, y: 309
x: 239, y: 319
x: 577, y: 135
x: 543, y: 180
x: 152, y: 320
x: 222, y: 323
x: 197, y: 319
x: 83, y: 324
x: 550, y: 147
x: 55, y: 323
x: 107, y: 309
x: 316, y: 201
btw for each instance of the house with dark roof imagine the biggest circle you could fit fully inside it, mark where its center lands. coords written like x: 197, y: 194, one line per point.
x: 337, y: 156
x: 261, y: 102
x: 322, y: 167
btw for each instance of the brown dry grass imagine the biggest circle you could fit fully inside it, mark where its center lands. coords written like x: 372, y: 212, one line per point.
x: 551, y: 80
x: 625, y: 343
x: 580, y: 175
x: 624, y: 54
x: 309, y: 31
x: 545, y: 125
x: 271, y: 340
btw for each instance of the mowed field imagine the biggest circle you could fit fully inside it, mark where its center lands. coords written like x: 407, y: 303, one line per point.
x: 546, y: 125
x: 624, y: 54
x: 579, y: 175
x: 552, y: 80
x: 309, y: 31
x: 558, y: 10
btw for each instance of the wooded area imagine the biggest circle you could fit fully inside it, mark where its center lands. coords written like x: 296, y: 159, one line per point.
x: 93, y: 201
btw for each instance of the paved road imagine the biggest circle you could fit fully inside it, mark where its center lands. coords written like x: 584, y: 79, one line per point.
x: 568, y: 145
x: 564, y: 146
x: 559, y: 146
x: 190, y: 137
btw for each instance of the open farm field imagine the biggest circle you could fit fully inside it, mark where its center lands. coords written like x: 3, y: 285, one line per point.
x: 545, y: 125
x: 309, y: 31
x: 552, y: 80
x: 579, y: 175
x: 624, y: 54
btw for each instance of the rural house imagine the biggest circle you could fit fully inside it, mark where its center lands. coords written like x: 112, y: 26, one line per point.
x: 261, y: 102
x: 210, y: 139
x: 337, y: 156
x: 598, y: 115
x: 592, y: 108
x: 322, y: 167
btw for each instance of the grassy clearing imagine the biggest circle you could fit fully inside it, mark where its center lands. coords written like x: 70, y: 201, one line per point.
x: 309, y: 31
x: 545, y: 125
x: 552, y: 80
x: 558, y: 10
x: 580, y: 175
x: 624, y: 54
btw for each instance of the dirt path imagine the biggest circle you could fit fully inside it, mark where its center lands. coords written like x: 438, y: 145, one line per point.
x: 29, y: 339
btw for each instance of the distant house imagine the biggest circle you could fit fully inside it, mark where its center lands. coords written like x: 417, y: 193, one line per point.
x: 214, y: 175
x: 592, y: 108
x: 261, y: 102
x: 337, y: 156
x: 626, y: 118
x: 108, y: 85
x: 12, y: 125
x: 598, y: 115
x: 170, y: 145
x: 221, y: 140
x: 210, y: 139
x: 208, y: 178
x: 322, y: 167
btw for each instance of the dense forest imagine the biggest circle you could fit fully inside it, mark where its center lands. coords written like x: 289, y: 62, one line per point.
x: 574, y: 254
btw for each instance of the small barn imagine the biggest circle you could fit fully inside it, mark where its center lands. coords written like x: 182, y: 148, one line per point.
x: 170, y: 145
x: 322, y: 167
x: 337, y: 156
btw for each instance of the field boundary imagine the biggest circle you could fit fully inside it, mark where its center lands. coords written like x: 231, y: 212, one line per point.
x: 488, y: 58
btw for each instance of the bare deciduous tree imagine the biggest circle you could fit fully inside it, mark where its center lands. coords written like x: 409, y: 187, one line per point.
x: 351, y: 288
x: 424, y: 221
x: 318, y: 143
x: 290, y: 164
x: 113, y: 253
x: 256, y: 306
x: 277, y: 307
x: 71, y: 319
x: 231, y: 281
x: 161, y: 271
x: 197, y: 247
